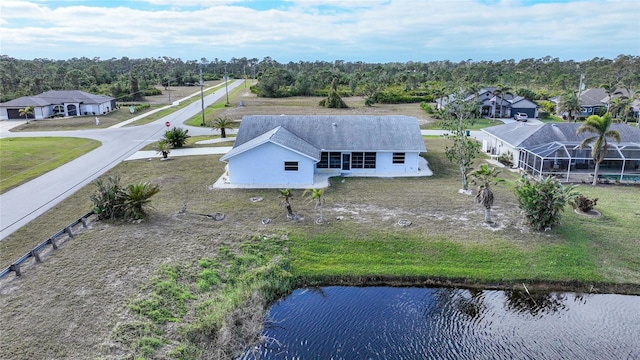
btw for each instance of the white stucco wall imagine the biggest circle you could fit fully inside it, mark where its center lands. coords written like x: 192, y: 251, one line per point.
x: 265, y: 165
x: 384, y: 163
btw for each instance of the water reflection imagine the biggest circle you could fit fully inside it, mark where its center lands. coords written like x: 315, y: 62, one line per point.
x: 448, y: 323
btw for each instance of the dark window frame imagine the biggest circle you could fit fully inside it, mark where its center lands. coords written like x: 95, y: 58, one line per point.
x: 291, y: 166
x: 398, y: 158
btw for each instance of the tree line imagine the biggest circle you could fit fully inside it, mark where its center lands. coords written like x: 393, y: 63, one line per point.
x: 378, y: 82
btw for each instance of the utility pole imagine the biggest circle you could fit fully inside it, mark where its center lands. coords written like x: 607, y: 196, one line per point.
x: 202, y: 96
x: 226, y: 82
x: 169, y: 89
x: 580, y: 86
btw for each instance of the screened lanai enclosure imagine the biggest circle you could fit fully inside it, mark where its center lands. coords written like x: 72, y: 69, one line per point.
x: 567, y: 162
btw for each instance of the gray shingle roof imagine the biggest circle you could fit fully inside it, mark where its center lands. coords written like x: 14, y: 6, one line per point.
x: 339, y: 133
x: 280, y: 136
x: 53, y: 97
x: 525, y: 135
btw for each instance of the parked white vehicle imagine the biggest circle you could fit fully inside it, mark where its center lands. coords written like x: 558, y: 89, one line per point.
x: 521, y: 117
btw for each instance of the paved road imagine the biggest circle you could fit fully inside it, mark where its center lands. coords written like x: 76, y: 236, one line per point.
x: 26, y: 202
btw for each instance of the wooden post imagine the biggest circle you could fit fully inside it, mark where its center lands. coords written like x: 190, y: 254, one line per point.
x: 16, y: 268
x: 84, y: 222
x: 68, y: 231
x: 35, y: 254
x: 53, y: 243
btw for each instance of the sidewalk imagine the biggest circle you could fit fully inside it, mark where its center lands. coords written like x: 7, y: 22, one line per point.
x: 175, y: 103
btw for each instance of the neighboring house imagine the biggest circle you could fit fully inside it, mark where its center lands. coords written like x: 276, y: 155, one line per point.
x: 594, y: 101
x: 490, y: 105
x: 58, y: 103
x: 553, y: 149
x: 289, y: 150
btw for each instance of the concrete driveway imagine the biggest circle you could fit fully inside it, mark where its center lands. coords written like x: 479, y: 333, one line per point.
x: 26, y: 202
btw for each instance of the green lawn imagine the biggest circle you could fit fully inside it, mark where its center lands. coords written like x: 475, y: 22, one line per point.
x: 24, y: 159
x: 160, y: 114
x: 477, y: 124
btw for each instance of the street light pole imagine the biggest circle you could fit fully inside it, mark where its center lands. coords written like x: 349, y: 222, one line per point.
x: 202, y: 96
x: 226, y: 82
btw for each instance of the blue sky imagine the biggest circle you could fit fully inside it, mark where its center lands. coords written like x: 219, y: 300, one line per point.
x: 308, y: 30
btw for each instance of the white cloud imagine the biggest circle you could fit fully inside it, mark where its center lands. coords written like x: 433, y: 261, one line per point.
x: 374, y: 31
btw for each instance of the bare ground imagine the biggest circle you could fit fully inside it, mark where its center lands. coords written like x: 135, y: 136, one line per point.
x: 305, y: 105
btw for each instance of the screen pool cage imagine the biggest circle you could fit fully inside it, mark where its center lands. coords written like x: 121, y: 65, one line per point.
x: 567, y: 162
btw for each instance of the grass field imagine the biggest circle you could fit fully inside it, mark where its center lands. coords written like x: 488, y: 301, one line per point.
x: 24, y: 159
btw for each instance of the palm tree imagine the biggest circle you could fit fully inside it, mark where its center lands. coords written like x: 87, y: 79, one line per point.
x: 177, y: 137
x: 316, y: 195
x: 26, y: 111
x: 163, y: 147
x: 222, y: 124
x: 501, y: 91
x: 484, y: 176
x: 599, y: 125
x: 137, y: 197
x: 287, y: 195
x: 571, y: 104
x: 439, y: 93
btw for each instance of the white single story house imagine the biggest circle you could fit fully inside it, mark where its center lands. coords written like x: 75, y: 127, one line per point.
x: 554, y: 149
x: 58, y: 103
x: 288, y: 150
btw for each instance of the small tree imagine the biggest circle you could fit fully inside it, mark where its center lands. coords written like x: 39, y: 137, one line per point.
x: 316, y: 196
x: 222, y: 123
x: 334, y: 101
x: 164, y: 148
x: 484, y: 176
x: 176, y: 136
x: 459, y: 115
x: 287, y: 195
x: 26, y: 111
x: 543, y: 201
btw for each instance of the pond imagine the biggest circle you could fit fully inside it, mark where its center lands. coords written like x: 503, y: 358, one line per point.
x: 449, y: 323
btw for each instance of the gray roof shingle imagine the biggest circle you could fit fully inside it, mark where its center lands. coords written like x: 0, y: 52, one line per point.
x: 526, y: 135
x: 53, y: 97
x: 280, y: 136
x: 340, y: 133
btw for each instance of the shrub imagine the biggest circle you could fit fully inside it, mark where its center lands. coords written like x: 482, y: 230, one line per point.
x: 506, y: 159
x: 543, y: 201
x: 112, y: 201
x: 176, y: 136
x: 152, y: 91
x: 583, y: 203
x: 426, y: 107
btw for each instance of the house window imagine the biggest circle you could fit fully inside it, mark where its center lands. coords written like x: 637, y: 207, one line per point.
x: 290, y: 166
x: 369, y: 160
x: 363, y: 160
x: 329, y: 160
x: 398, y: 158
x: 357, y: 160
x: 324, y: 161
x: 335, y: 159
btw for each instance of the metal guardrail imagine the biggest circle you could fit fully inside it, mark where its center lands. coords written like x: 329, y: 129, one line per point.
x: 15, y: 266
